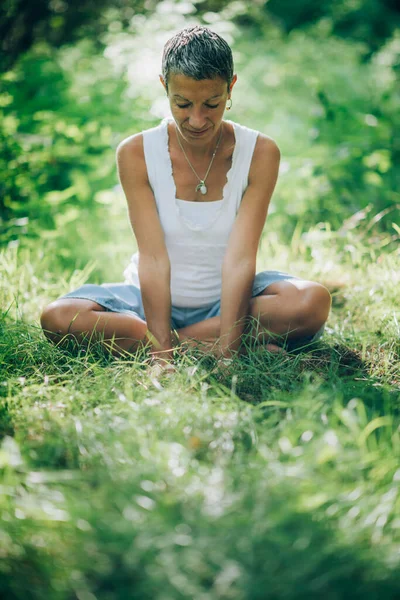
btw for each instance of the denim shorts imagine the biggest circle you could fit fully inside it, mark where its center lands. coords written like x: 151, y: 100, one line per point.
x: 126, y: 298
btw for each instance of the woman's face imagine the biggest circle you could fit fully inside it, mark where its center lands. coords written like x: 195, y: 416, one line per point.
x: 198, y: 106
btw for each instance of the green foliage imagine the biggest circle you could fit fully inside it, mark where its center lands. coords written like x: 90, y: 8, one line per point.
x: 59, y: 131
x: 371, y: 22
x: 334, y: 116
x: 335, y: 119
x: 276, y: 480
x: 59, y: 23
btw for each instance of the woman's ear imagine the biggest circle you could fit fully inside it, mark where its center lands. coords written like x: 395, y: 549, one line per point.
x: 163, y: 83
x: 234, y: 80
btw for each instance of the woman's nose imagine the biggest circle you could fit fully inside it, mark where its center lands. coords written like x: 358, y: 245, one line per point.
x: 197, y: 119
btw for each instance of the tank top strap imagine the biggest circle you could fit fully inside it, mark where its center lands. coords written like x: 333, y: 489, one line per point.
x: 246, y: 139
x: 158, y: 164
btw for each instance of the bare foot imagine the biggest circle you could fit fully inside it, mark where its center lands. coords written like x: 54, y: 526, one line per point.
x: 273, y: 348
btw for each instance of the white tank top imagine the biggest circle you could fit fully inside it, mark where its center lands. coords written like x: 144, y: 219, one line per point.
x: 196, y: 233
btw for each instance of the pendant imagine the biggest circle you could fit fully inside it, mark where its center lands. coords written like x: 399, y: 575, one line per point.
x: 201, y: 188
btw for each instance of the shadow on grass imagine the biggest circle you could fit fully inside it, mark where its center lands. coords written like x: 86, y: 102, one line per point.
x: 335, y: 368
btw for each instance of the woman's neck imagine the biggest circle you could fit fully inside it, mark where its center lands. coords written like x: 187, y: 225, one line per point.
x: 200, y: 151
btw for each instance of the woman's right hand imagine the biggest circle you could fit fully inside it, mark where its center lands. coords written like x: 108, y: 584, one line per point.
x: 160, y: 366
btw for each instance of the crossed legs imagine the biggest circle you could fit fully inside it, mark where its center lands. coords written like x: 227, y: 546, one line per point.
x: 293, y: 308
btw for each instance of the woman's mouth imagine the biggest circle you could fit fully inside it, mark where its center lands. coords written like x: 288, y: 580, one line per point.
x: 197, y: 133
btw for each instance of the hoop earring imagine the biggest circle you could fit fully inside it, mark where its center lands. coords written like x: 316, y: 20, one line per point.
x: 230, y: 105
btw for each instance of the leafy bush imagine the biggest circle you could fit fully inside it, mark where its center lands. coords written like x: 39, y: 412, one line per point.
x: 59, y: 129
x: 335, y: 118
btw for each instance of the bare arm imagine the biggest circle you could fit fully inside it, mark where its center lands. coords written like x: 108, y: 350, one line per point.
x: 154, y: 264
x: 239, y: 266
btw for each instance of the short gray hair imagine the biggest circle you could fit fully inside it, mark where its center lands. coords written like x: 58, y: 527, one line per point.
x: 199, y: 53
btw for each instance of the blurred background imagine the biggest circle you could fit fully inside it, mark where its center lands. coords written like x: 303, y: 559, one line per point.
x: 277, y: 479
x: 77, y: 77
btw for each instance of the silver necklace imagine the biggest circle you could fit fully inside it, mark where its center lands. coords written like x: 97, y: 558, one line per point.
x: 200, y: 187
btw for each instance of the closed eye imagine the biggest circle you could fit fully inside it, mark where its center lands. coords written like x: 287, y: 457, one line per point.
x: 208, y: 105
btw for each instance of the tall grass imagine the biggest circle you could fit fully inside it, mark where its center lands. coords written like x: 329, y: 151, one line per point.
x: 278, y: 479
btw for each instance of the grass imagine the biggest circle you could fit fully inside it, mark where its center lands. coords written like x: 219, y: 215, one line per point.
x: 277, y: 480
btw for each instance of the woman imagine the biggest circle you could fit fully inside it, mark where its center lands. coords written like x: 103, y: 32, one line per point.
x: 198, y: 189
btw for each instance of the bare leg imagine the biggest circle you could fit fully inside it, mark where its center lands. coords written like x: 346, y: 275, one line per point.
x: 88, y: 321
x: 204, y: 334
x: 293, y: 309
x: 286, y: 309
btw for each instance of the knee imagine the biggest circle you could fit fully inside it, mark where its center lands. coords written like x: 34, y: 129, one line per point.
x: 314, y: 308
x: 50, y: 319
x: 54, y: 320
